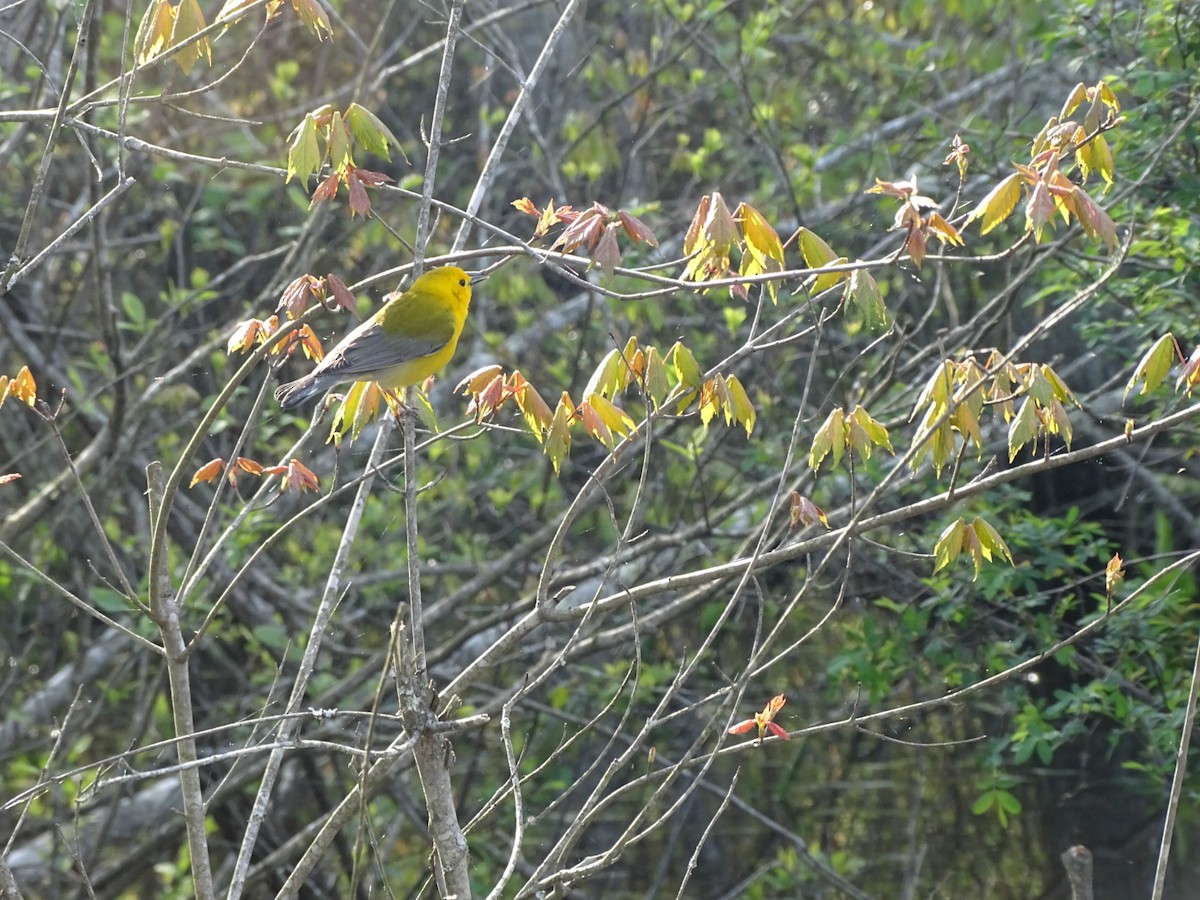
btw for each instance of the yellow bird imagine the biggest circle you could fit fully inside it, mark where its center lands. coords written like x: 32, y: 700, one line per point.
x: 412, y: 336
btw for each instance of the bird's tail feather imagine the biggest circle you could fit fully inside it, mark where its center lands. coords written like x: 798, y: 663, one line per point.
x: 294, y: 393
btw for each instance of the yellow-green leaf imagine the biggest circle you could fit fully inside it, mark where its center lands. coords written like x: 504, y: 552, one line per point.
x: 1154, y: 364
x: 154, y: 31
x: 304, y: 155
x: 608, y: 379
x: 616, y: 419
x: 764, y: 250
x: 866, y: 433
x: 998, y: 204
x: 558, y: 435
x: 949, y: 544
x: 189, y: 20
x: 990, y: 542
x: 687, y: 370
x: 830, y: 438
x: 743, y: 409
x: 655, y: 377
x: 369, y: 131
x: 1022, y: 429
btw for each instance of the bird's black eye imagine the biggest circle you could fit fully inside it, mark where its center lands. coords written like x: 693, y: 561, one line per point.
x: 462, y: 282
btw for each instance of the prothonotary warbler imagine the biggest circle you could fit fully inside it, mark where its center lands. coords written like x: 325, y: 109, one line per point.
x: 412, y: 336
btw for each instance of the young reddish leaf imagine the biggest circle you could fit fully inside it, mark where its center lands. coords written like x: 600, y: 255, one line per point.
x: 805, y: 512
x: 949, y: 544
x: 958, y: 156
x: 710, y: 236
x: 547, y: 218
x: 207, y: 472
x: 11, y: 476
x: 607, y: 254
x: 299, y: 478
x: 915, y: 245
x: 245, y: 336
x: 1154, y: 364
x: 764, y: 721
x: 586, y: 229
x: 340, y: 293
x: 326, y: 190
x: 1038, y: 209
x: 1096, y: 223
x: 720, y: 225
x: 636, y: 229
x: 295, y: 296
x: 372, y: 179
x: 998, y: 204
x: 488, y: 398
x: 778, y: 730
x: 360, y: 203
x: 249, y: 465
x: 1113, y: 573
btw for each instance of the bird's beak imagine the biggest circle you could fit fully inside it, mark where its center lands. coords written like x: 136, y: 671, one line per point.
x: 476, y: 279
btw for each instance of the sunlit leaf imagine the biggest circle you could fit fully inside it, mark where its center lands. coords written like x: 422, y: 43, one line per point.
x: 829, y: 439
x: 741, y: 409
x: 1022, y: 429
x: 189, y: 20
x: 998, y: 204
x: 558, y: 435
x: 207, y: 472
x: 1154, y: 365
x: 304, y: 154
x: 370, y: 132
x: 1113, y: 573
x: 805, y: 512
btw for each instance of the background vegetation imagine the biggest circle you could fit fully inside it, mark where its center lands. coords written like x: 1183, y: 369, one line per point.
x: 226, y: 689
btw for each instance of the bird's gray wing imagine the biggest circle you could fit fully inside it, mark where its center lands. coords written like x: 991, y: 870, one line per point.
x: 366, y: 349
